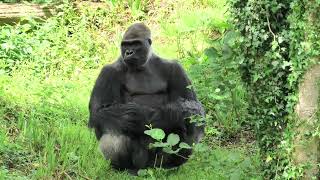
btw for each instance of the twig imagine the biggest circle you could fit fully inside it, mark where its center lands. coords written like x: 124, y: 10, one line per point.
x: 84, y: 177
x: 155, y: 161
x: 67, y: 175
x: 270, y: 30
x: 181, y: 156
x: 161, y: 161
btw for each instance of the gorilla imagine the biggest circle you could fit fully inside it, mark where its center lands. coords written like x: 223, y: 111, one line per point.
x: 140, y: 89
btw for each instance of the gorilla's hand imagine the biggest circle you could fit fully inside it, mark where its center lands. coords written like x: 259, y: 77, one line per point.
x: 170, y: 119
x: 133, y: 118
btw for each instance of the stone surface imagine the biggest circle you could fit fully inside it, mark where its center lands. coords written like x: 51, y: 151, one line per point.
x: 307, y: 148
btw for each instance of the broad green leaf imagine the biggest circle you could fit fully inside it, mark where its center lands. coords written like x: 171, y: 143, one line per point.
x: 157, y: 134
x: 173, y: 139
x: 184, y: 145
x: 169, y: 150
x: 159, y: 144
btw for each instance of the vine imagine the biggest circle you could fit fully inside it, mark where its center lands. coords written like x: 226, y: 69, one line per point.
x: 279, y: 40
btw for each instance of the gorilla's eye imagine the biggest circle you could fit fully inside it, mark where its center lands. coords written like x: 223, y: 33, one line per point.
x: 137, y: 44
x: 130, y: 44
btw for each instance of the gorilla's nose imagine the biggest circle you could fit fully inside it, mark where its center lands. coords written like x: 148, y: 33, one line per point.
x: 128, y: 53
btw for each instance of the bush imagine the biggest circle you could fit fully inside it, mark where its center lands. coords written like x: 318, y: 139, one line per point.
x: 274, y: 55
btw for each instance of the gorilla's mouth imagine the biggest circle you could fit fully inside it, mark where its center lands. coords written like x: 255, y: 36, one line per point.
x: 131, y: 61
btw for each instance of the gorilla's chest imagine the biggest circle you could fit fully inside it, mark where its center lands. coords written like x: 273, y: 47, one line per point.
x: 145, y: 88
x: 144, y: 83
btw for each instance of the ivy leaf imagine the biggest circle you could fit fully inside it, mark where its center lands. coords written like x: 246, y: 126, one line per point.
x: 275, y: 63
x: 173, y: 139
x: 269, y: 158
x: 156, y: 133
x: 274, y: 45
x: 286, y: 64
x: 280, y: 39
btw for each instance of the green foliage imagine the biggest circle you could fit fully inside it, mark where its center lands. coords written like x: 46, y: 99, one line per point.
x: 47, y: 71
x: 277, y: 44
x: 230, y: 164
x: 14, y: 46
x: 198, y: 120
x: 48, y: 133
x: 155, y: 133
x: 43, y: 130
x: 168, y: 146
x: 173, y: 139
x: 218, y: 84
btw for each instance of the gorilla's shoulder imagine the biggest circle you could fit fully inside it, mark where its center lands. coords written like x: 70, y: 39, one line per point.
x: 166, y: 63
x: 116, y: 66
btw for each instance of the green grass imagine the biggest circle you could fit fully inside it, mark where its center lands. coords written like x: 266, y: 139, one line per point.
x: 44, y: 131
x: 47, y: 72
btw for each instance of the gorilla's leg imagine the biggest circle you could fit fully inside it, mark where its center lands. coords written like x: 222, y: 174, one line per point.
x: 140, y: 153
x: 114, y: 148
x: 125, y: 153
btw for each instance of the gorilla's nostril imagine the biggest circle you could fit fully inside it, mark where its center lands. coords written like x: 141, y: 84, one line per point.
x: 129, y: 52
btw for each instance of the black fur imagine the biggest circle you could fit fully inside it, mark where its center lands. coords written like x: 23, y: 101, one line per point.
x: 140, y: 89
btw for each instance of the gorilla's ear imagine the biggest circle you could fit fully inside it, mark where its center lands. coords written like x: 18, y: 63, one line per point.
x: 150, y: 41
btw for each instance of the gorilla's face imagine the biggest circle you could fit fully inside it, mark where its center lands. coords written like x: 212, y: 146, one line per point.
x: 135, y: 52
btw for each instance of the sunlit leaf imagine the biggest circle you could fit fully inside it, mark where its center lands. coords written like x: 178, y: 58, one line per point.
x: 184, y: 145
x: 157, y: 134
x: 173, y: 139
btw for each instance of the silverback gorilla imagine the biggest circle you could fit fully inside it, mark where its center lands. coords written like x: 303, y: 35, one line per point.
x: 141, y: 89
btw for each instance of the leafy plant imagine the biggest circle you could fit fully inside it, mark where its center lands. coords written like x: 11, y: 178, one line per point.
x: 274, y: 50
x: 168, y: 145
x: 216, y: 78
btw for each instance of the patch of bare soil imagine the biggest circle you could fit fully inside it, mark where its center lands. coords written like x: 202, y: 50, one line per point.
x: 8, y: 10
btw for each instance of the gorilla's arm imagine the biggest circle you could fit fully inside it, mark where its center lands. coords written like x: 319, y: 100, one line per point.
x: 179, y: 84
x: 174, y: 116
x: 181, y: 92
x: 182, y: 104
x: 106, y: 110
x: 106, y: 90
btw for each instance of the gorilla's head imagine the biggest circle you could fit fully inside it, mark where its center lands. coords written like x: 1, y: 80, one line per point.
x: 136, y: 45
